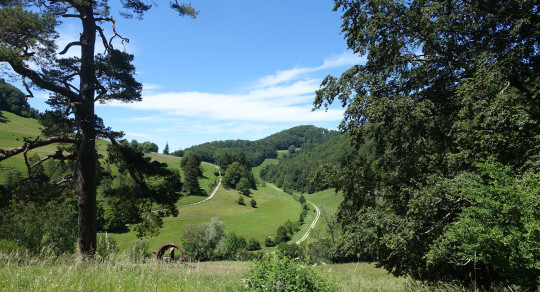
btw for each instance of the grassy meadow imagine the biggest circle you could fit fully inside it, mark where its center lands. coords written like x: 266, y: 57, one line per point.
x: 273, y: 209
x: 18, y: 273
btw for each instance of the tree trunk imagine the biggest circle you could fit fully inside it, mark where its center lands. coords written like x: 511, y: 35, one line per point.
x: 86, y: 147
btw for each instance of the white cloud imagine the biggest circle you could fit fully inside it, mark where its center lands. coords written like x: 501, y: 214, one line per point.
x: 345, y: 59
x: 138, y: 135
x: 283, y: 97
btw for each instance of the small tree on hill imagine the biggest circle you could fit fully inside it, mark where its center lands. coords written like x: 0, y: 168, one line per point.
x: 166, y: 149
x: 191, y: 164
x: 243, y: 186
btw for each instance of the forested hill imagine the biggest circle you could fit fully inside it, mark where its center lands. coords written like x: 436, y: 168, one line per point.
x: 14, y: 101
x: 223, y: 153
x: 297, y: 170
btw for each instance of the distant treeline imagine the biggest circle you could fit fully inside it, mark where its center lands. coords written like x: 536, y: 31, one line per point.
x: 299, y: 170
x: 14, y: 101
x: 222, y: 153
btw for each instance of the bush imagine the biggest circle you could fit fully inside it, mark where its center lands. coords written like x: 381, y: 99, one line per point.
x: 276, y: 273
x: 282, y: 235
x: 269, y: 242
x: 106, y: 246
x: 201, y: 241
x: 240, y: 200
x: 137, y: 250
x: 290, y: 250
x: 253, y: 244
x: 231, y: 246
x: 253, y: 203
x: 291, y: 228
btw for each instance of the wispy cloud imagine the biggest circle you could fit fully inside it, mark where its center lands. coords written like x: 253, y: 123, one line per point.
x: 286, y: 76
x: 275, y: 102
x: 283, y: 97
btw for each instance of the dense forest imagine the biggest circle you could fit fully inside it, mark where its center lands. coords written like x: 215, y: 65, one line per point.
x: 15, y: 101
x: 222, y: 153
x: 301, y: 169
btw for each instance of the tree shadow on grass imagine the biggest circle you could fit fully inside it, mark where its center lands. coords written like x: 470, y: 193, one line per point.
x: 199, y: 192
x: 3, y: 119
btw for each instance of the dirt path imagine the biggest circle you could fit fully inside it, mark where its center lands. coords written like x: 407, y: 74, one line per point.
x: 314, y: 220
x: 211, y: 195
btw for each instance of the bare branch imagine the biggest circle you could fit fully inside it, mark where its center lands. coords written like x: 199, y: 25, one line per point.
x: 30, y: 94
x: 5, y: 154
x: 20, y: 69
x: 57, y: 155
x: 103, y: 38
x: 77, y: 43
x: 26, y: 160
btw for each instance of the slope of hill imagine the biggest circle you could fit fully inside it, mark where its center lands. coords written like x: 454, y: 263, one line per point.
x: 274, y: 208
x: 13, y: 130
x: 294, y: 171
x: 220, y: 152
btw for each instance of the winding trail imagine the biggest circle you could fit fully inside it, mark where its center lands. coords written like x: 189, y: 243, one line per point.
x: 211, y: 195
x: 314, y: 220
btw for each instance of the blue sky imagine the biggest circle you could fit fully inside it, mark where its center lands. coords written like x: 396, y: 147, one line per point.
x: 240, y: 70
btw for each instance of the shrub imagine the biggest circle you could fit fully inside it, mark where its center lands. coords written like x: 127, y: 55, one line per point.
x: 137, y: 250
x: 253, y: 203
x: 276, y: 273
x: 240, y: 200
x: 282, y: 234
x: 232, y: 244
x: 106, y: 246
x: 291, y: 227
x: 201, y: 241
x: 243, y: 186
x: 253, y: 244
x: 269, y: 242
x: 290, y: 250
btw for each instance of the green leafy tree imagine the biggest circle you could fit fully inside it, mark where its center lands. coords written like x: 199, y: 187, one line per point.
x: 243, y: 186
x: 282, y: 235
x: 28, y: 34
x: 253, y: 203
x: 234, y: 173
x: 445, y: 87
x: 253, y: 244
x: 231, y: 245
x: 201, y: 241
x: 291, y: 149
x: 240, y: 200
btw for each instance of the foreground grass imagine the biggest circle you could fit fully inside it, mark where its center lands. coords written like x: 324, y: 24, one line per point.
x: 121, y: 275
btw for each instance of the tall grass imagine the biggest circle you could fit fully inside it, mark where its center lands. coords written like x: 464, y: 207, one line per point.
x: 21, y: 272
x: 46, y: 272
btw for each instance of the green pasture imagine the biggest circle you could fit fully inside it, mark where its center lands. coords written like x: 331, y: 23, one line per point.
x: 13, y: 131
x: 257, y: 170
x: 326, y: 199
x: 274, y: 208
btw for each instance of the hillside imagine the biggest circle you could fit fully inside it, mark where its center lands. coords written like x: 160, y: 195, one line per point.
x: 295, y: 171
x: 222, y: 152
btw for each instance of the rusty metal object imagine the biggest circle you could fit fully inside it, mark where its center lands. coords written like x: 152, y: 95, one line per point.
x: 168, y: 247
